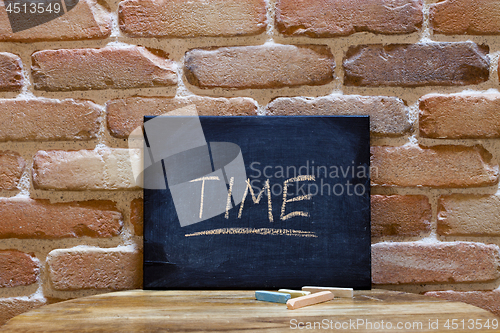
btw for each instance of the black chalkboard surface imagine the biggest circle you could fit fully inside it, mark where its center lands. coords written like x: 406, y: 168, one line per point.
x: 311, y: 226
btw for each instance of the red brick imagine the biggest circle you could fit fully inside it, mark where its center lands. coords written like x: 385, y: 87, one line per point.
x: 468, y: 215
x: 87, y: 20
x: 48, y: 120
x: 11, y: 169
x: 411, y: 65
x: 400, y: 215
x: 125, y: 115
x: 498, y: 68
x: 11, y: 78
x: 11, y: 307
x: 487, y: 300
x: 136, y: 216
x: 399, y: 263
x: 107, y: 68
x: 389, y: 116
x: 99, y: 169
x: 330, y: 18
x: 180, y: 18
x: 262, y: 66
x: 17, y: 269
x: 465, y: 17
x: 27, y: 218
x: 437, y: 166
x: 460, y: 116
x: 112, y: 269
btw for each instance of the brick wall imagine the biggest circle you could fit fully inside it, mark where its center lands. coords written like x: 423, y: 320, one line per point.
x: 73, y: 89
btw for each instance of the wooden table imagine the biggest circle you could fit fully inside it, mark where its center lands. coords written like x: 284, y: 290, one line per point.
x: 185, y: 311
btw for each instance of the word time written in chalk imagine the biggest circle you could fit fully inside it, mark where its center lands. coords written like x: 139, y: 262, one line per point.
x: 256, y: 199
x: 268, y: 190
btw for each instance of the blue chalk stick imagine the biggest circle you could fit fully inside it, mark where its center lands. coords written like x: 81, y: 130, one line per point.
x: 272, y: 296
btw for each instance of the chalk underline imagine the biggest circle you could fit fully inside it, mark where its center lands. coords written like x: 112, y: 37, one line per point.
x: 250, y: 231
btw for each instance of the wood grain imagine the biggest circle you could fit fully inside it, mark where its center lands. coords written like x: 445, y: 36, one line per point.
x: 232, y: 311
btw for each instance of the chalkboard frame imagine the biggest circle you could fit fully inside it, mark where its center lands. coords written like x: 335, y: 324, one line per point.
x: 348, y: 128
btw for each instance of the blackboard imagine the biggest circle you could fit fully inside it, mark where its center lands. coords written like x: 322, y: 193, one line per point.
x: 320, y: 236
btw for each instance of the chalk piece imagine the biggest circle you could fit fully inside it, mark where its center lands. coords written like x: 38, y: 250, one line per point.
x: 311, y: 299
x: 294, y: 293
x: 272, y: 296
x: 338, y: 292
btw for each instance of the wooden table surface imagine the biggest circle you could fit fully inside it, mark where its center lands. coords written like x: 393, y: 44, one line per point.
x: 186, y: 311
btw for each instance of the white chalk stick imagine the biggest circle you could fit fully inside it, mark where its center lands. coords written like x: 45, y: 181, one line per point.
x: 299, y: 302
x: 294, y: 293
x: 338, y: 292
